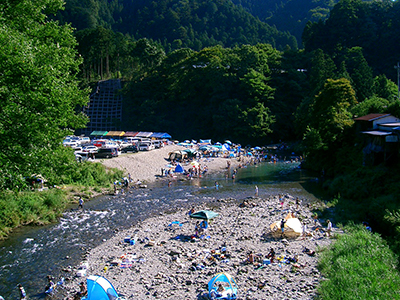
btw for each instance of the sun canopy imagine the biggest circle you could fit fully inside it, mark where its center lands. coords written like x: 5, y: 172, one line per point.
x: 100, y: 288
x: 99, y: 133
x: 160, y: 135
x: 227, y: 282
x: 130, y: 134
x: 204, y: 214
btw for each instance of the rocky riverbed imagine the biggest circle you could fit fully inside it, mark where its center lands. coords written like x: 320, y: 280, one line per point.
x: 168, y: 262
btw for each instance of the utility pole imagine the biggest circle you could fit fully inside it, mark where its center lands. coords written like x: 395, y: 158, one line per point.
x: 398, y: 79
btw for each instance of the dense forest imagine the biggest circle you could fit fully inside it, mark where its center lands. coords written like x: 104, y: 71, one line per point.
x: 176, y: 24
x: 290, y: 15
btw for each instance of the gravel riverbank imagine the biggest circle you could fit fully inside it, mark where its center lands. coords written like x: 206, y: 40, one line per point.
x: 167, y: 263
x: 145, y: 166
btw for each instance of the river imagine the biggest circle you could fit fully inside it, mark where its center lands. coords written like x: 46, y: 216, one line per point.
x: 32, y: 253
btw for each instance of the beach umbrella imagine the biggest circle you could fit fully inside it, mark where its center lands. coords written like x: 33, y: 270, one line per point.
x: 204, y: 214
x: 194, y: 163
x: 204, y: 148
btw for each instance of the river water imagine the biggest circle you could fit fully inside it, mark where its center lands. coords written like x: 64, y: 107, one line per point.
x: 32, y: 253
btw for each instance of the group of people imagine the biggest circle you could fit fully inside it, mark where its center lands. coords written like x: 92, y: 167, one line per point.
x: 50, y: 288
x: 200, y: 228
x: 256, y: 259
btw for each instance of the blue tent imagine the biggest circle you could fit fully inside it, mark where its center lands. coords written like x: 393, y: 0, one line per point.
x: 100, y: 288
x: 222, y: 286
x: 179, y: 169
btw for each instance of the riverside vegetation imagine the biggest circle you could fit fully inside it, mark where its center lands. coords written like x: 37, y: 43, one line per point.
x: 42, y: 207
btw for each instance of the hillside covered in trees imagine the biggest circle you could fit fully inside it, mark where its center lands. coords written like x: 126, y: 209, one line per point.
x: 176, y: 24
x: 289, y: 15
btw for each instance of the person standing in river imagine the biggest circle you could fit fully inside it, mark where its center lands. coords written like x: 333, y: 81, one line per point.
x: 22, y: 293
x: 329, y: 228
x: 80, y: 202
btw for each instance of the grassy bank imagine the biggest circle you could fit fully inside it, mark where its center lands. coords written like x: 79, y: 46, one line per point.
x: 369, y: 195
x: 19, y: 208
x: 359, y: 265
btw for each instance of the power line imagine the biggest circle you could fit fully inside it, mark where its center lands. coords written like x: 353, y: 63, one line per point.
x: 398, y: 79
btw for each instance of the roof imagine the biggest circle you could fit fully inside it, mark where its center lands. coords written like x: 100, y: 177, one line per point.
x: 161, y: 135
x: 371, y: 117
x: 393, y: 124
x: 98, y: 133
x: 144, y: 134
x: 377, y: 133
x: 130, y: 133
x: 115, y: 133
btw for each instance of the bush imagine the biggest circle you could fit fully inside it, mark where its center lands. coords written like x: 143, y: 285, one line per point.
x: 29, y: 208
x: 359, y: 265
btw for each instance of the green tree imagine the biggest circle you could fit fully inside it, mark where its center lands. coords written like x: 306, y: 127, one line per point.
x: 359, y: 72
x: 373, y: 105
x: 38, y: 90
x: 384, y: 88
x: 330, y: 121
x: 331, y: 114
x: 322, y: 68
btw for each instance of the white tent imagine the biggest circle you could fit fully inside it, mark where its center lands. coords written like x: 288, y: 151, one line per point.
x: 292, y: 223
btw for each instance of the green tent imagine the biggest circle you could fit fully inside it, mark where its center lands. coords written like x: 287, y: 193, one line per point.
x: 204, y: 214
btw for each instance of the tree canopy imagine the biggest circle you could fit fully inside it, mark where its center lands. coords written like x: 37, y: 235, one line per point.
x: 39, y: 90
x: 177, y: 24
x: 219, y: 91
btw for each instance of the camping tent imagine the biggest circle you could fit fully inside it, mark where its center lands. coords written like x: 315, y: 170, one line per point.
x: 292, y: 223
x: 227, y: 282
x: 204, y: 214
x: 100, y: 288
x: 179, y: 169
x: 177, y: 155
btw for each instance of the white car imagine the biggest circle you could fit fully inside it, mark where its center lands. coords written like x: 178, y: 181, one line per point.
x: 146, y: 146
x: 90, y: 149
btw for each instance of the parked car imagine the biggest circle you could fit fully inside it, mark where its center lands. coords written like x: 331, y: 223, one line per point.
x: 146, y: 146
x: 107, y: 153
x: 158, y: 144
x: 90, y: 149
x: 84, y: 140
x: 130, y: 148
